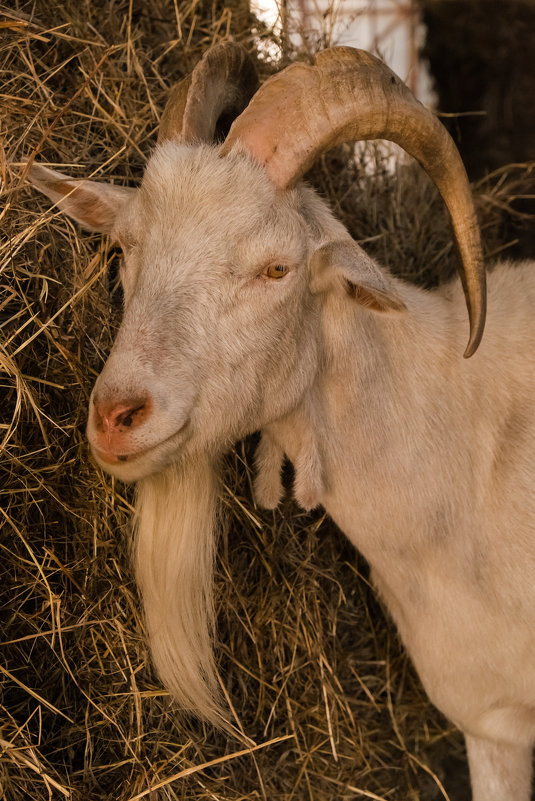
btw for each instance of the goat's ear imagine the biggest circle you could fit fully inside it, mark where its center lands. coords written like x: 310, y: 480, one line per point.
x: 93, y: 205
x: 342, y: 266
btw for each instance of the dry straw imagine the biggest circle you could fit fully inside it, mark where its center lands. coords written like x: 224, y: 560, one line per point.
x: 310, y: 664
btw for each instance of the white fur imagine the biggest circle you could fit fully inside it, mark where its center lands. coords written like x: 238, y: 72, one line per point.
x: 425, y: 460
x: 269, y: 459
x: 175, y: 552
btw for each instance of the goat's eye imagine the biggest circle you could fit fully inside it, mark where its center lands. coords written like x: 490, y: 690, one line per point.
x: 276, y: 271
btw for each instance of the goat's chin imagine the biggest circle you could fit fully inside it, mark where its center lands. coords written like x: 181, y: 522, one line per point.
x: 134, y: 470
x: 137, y: 466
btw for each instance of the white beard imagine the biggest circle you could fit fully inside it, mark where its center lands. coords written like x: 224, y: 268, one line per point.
x: 175, y: 553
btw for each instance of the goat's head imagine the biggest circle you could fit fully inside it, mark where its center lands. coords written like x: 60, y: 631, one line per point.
x: 225, y: 257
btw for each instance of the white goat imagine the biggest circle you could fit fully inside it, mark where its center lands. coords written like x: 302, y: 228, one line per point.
x: 248, y: 306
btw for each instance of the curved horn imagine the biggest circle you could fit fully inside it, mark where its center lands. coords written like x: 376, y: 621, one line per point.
x: 223, y: 82
x: 351, y: 95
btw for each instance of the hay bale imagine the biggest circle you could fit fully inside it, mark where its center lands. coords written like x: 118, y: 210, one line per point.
x: 312, y: 665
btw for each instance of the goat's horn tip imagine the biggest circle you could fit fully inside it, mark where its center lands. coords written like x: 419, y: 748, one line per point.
x: 475, y: 339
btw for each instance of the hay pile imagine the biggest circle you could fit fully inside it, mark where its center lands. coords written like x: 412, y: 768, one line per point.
x: 312, y: 665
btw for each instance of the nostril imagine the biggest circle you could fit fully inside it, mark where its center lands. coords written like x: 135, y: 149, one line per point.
x: 113, y: 416
x: 127, y: 418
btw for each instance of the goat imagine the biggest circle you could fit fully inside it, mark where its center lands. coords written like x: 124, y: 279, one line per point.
x: 249, y: 307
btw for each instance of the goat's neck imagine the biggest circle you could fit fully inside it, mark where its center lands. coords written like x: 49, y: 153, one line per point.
x: 376, y: 413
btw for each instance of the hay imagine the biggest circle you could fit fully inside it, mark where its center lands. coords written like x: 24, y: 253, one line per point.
x: 311, y: 665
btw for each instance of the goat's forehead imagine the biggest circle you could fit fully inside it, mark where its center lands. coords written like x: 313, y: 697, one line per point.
x: 197, y: 178
x: 190, y: 195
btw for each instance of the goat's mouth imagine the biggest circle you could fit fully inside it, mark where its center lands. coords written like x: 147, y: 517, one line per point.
x: 134, y: 465
x: 115, y: 458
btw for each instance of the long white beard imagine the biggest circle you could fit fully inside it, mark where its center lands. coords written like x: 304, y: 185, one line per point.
x: 175, y: 553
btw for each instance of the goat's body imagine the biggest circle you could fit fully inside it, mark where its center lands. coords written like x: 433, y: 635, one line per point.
x: 428, y: 464
x: 426, y: 461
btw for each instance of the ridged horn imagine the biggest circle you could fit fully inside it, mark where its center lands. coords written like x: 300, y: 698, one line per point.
x: 350, y: 95
x: 222, y: 83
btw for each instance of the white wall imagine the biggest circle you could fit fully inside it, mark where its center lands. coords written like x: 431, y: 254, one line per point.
x: 388, y: 28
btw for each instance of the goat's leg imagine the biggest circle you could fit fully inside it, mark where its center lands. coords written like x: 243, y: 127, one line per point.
x: 499, y: 772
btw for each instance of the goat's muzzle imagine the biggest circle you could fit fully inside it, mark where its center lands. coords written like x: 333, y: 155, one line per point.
x: 114, y: 422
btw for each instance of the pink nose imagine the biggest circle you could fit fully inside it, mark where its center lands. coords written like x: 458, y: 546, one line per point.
x: 114, y: 420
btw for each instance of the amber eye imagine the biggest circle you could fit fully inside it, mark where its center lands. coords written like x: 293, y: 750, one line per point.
x: 276, y: 271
